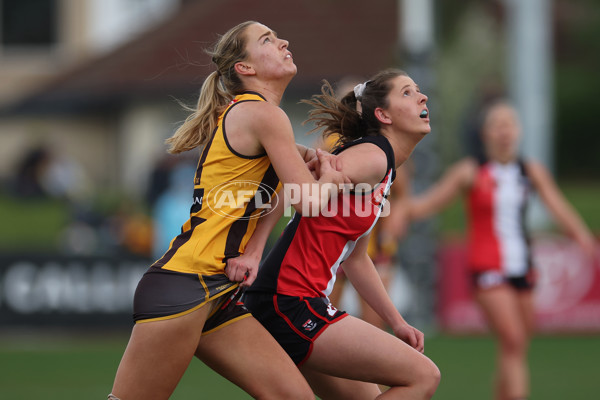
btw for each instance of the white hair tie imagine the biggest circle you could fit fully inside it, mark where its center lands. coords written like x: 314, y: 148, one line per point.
x: 359, y: 90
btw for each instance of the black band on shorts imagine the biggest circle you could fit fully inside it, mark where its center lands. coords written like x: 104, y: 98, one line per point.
x: 493, y: 278
x: 229, y: 310
x: 295, y: 322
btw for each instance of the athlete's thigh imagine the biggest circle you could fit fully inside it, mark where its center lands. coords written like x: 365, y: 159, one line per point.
x: 330, y: 387
x: 245, y: 353
x: 501, y: 309
x: 354, y: 349
x: 157, y: 355
x: 527, y: 308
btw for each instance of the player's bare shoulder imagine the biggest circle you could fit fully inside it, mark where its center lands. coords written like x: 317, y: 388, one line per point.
x: 259, y: 114
x: 364, y: 163
x: 259, y: 119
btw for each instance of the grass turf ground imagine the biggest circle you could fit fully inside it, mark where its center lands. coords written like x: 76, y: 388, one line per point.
x: 70, y: 367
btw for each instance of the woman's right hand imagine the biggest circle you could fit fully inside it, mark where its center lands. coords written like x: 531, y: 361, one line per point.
x: 411, y: 335
x: 587, y: 243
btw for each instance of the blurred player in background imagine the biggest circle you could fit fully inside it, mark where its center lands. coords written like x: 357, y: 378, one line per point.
x: 496, y: 190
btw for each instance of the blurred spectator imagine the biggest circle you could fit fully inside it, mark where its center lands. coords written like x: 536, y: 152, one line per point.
x: 28, y: 178
x: 65, y: 179
x: 172, y: 207
x: 46, y: 173
x: 126, y: 229
x: 160, y: 177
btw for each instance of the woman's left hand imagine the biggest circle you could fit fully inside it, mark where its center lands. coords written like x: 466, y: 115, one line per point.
x: 318, y: 158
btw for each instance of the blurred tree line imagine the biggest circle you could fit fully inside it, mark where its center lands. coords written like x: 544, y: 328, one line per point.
x: 471, y: 65
x: 577, y: 51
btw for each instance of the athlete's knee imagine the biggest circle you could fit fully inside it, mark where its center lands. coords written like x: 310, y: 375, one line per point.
x: 514, y: 342
x: 427, y: 379
x: 431, y: 379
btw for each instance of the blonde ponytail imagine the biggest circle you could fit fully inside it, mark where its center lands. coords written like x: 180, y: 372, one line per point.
x: 198, y: 127
x: 217, y: 91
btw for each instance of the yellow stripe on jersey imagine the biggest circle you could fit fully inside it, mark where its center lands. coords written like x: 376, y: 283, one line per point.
x: 230, y: 192
x: 373, y: 245
x: 330, y: 141
x: 377, y: 247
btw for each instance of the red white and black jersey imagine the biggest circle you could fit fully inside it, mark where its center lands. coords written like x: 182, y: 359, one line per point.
x: 496, y: 207
x: 306, y: 257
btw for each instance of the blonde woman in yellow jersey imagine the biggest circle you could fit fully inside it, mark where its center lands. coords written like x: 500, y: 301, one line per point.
x: 185, y: 304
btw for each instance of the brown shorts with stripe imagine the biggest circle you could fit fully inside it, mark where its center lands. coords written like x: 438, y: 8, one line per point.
x: 163, y: 294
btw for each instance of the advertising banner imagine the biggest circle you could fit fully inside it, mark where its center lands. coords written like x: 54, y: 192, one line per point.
x: 68, y: 291
x: 567, y: 293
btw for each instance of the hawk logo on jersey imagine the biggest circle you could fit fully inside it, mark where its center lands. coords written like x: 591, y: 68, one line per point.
x: 197, y: 200
x: 309, y: 325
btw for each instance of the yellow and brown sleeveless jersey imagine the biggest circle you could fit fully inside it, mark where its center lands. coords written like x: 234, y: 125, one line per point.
x: 230, y: 193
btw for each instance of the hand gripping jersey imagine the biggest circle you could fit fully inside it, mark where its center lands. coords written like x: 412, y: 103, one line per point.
x: 306, y: 257
x: 230, y: 191
x: 496, y: 208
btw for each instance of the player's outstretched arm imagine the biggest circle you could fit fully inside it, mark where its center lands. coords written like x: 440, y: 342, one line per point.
x: 364, y: 277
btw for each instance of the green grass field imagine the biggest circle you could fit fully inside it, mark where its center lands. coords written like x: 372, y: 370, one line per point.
x: 49, y: 218
x: 52, y: 366
x: 68, y: 367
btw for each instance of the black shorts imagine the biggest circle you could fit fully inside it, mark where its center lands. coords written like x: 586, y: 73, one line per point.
x: 493, y: 278
x: 163, y: 294
x: 295, y: 322
x: 226, y: 311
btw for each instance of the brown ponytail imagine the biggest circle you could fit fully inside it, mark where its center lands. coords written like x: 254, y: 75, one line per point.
x: 339, y: 118
x: 342, y: 117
